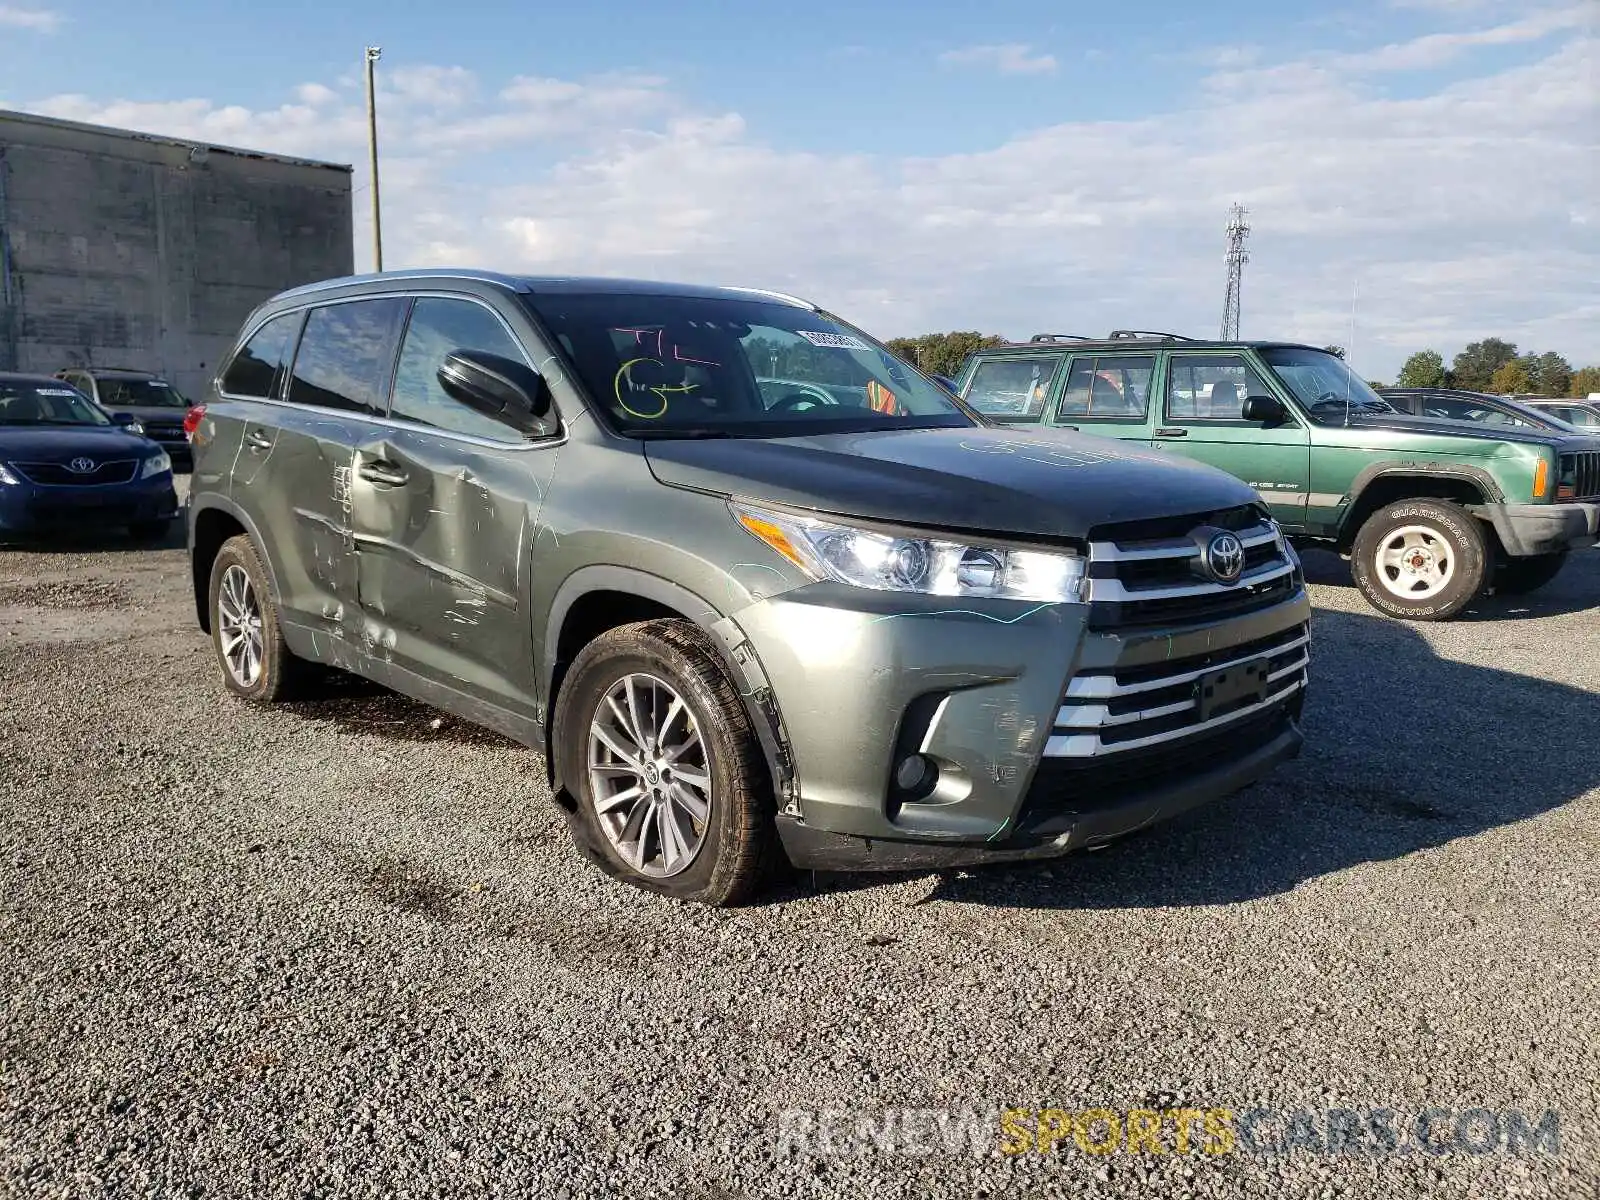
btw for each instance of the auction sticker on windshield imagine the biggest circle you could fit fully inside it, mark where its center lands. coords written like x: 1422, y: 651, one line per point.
x: 838, y: 341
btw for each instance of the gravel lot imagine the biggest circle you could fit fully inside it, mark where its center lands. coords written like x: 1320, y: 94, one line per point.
x: 345, y: 949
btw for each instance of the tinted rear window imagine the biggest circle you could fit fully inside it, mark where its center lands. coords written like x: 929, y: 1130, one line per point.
x: 258, y: 368
x: 346, y: 355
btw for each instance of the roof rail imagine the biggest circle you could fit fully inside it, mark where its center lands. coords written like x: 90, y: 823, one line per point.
x: 1059, y: 337
x: 1147, y: 335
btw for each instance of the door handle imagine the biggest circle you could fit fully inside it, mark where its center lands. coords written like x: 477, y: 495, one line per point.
x: 382, y: 472
x: 1171, y: 431
x: 258, y: 440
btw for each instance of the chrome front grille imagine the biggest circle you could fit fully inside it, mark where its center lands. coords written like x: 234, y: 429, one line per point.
x: 1156, y: 575
x: 1112, y: 712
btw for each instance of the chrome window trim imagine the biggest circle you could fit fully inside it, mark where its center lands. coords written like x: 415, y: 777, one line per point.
x: 556, y: 439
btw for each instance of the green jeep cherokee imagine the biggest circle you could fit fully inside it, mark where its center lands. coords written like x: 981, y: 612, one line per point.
x: 1429, y: 512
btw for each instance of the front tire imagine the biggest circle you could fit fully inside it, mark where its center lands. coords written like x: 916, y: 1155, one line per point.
x: 256, y: 664
x: 1519, y: 576
x: 1420, y: 560
x: 671, y: 787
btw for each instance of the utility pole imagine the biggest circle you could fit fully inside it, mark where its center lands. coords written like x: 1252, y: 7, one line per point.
x: 1238, y: 231
x: 373, y: 54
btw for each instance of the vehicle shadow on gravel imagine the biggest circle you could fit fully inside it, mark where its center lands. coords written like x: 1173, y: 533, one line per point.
x: 358, y: 706
x: 1405, y: 751
x: 102, y: 541
x: 1575, y: 589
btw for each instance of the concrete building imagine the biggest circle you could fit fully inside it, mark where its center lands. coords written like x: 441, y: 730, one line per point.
x: 132, y: 250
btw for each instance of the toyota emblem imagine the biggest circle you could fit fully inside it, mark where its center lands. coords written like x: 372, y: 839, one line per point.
x: 81, y: 466
x: 1225, y: 558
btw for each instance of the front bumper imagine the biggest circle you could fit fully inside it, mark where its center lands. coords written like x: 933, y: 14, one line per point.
x: 1531, y: 529
x: 857, y: 682
x: 37, y: 508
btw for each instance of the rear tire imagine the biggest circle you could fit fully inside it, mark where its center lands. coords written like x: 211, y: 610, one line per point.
x: 1519, y: 576
x: 671, y: 786
x: 260, y: 667
x: 1420, y: 560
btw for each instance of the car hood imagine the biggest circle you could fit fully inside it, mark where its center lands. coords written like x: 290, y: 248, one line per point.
x: 1042, y: 483
x: 62, y: 443
x: 1441, y: 427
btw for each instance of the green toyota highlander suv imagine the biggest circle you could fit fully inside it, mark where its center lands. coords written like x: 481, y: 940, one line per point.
x: 1430, y: 512
x: 751, y: 583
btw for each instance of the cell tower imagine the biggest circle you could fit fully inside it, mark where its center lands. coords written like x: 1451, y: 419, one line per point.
x: 1238, y: 231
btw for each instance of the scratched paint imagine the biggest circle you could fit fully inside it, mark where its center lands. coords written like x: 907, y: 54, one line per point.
x: 966, y: 612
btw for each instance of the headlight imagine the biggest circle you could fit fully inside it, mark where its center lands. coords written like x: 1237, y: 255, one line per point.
x: 135, y: 427
x: 929, y: 564
x: 7, y: 478
x: 155, y: 464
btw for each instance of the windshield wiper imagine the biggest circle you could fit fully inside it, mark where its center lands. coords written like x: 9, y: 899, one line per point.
x: 682, y: 431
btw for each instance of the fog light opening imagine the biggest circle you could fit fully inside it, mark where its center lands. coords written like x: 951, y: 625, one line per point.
x: 916, y: 776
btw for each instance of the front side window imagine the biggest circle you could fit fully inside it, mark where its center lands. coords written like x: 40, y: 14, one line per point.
x: 438, y: 328
x: 671, y: 366
x: 30, y: 402
x: 1324, y: 384
x: 259, y: 367
x: 1113, y: 387
x: 345, y: 355
x: 1212, y: 387
x: 1012, y: 389
x: 140, y: 393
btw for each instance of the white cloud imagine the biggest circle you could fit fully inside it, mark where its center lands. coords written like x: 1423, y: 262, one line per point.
x: 1436, y: 49
x: 38, y: 20
x: 1010, y: 58
x: 315, y: 94
x: 1457, y: 212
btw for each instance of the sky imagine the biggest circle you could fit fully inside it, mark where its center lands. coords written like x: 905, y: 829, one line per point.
x: 1418, y: 173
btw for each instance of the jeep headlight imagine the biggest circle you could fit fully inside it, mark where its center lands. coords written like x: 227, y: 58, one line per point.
x: 7, y: 478
x: 155, y: 465
x: 908, y: 562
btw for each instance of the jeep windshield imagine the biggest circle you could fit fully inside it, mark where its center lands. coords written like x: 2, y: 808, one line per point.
x: 139, y: 393
x: 665, y: 366
x: 27, y: 403
x: 1324, y: 384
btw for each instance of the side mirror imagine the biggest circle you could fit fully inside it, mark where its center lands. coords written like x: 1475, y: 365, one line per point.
x: 122, y: 418
x: 1267, y: 410
x: 500, y: 388
x: 947, y: 384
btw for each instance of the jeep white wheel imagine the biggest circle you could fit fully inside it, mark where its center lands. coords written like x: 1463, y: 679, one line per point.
x: 1415, y: 563
x: 1420, y: 560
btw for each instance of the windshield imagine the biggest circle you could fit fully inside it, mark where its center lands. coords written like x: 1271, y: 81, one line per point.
x: 679, y: 366
x: 1323, y: 383
x: 24, y: 402
x: 139, y: 393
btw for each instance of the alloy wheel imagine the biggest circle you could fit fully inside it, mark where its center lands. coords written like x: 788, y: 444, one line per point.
x: 649, y: 775
x: 239, y: 626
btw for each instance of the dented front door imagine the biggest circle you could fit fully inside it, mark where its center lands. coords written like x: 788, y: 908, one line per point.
x: 442, y: 536
x: 443, y: 503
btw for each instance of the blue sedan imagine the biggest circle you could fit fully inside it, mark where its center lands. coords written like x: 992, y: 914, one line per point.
x: 67, y: 466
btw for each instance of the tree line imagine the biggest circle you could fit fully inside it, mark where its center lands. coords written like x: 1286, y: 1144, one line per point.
x: 1491, y: 365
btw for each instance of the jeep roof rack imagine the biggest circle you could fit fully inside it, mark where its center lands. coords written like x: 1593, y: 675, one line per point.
x: 1118, y: 335
x: 1059, y: 337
